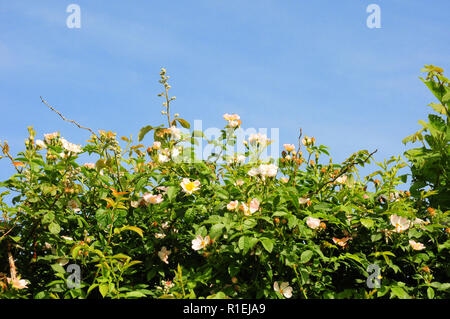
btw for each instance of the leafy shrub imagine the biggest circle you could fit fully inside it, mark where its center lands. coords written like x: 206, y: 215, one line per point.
x: 155, y: 221
x: 431, y: 162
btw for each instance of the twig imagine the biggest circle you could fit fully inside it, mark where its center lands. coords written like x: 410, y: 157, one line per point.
x: 298, y: 152
x: 65, y: 119
x: 12, y: 265
x: 4, y: 235
x: 340, y: 174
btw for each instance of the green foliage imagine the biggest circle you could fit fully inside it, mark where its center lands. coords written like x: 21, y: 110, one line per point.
x: 430, y: 164
x: 160, y: 223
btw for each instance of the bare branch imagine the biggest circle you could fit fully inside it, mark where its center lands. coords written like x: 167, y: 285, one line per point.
x: 65, y: 119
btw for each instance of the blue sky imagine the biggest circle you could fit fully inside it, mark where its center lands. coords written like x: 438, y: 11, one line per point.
x: 287, y: 64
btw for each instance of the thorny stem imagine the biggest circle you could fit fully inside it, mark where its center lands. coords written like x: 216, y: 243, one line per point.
x: 65, y: 119
x: 345, y: 170
x: 297, y: 164
x: 12, y: 265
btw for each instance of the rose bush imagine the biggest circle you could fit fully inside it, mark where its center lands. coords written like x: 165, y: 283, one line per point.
x: 155, y: 221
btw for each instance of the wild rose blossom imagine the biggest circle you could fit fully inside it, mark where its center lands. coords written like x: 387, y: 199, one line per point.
x: 289, y: 147
x: 400, y: 223
x: 190, y: 187
x: 416, y: 245
x: 199, y: 242
x: 258, y: 139
x: 18, y: 283
x: 232, y: 205
x: 341, y: 179
x: 264, y: 170
x: 156, y: 145
x: 283, y: 288
x: 303, y: 200
x: 160, y: 235
x: 251, y: 208
x: 89, y: 165
x: 231, y: 117
x: 175, y: 132
x: 50, y: 136
x: 163, y: 158
x: 149, y: 198
x: 312, y: 222
x: 70, y: 147
x: 40, y: 144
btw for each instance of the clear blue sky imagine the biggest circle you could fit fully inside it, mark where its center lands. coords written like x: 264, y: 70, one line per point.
x: 287, y: 64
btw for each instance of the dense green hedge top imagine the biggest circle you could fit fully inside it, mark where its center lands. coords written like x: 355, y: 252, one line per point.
x: 150, y: 221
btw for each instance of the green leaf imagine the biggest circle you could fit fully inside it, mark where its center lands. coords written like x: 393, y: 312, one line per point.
x: 134, y: 294
x: 172, y: 192
x: 104, y: 289
x: 184, y: 123
x: 399, y: 292
x: 233, y: 269
x: 58, y: 268
x: 306, y: 256
x: 430, y: 293
x: 132, y: 228
x: 54, y: 228
x: 216, y: 230
x: 267, y: 244
x: 246, y: 243
x: 366, y: 222
x: 375, y: 237
x: 48, y: 218
x: 440, y: 286
x: 144, y: 131
x: 438, y: 108
x: 75, y: 251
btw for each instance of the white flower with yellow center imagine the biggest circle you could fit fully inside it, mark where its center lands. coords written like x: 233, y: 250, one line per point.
x: 89, y: 165
x: 416, y: 245
x: 70, y: 147
x: 312, y: 222
x: 156, y: 145
x: 250, y: 208
x: 175, y: 132
x: 283, y: 288
x: 303, y: 200
x: 231, y: 117
x: 149, y: 198
x: 40, y: 144
x: 341, y: 179
x: 258, y: 139
x: 268, y: 170
x: 199, y: 242
x: 50, y: 136
x: 189, y: 187
x: 163, y: 158
x: 18, y: 283
x: 289, y: 147
x: 400, y: 223
x: 232, y: 205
